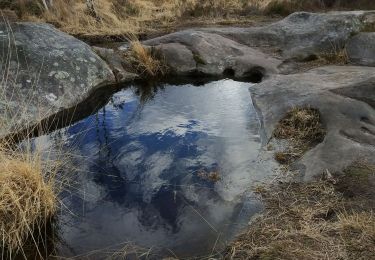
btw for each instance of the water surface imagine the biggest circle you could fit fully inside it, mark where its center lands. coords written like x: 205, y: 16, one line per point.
x: 171, y: 170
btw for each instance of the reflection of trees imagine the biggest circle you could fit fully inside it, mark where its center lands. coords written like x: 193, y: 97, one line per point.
x: 147, y: 91
x: 105, y: 172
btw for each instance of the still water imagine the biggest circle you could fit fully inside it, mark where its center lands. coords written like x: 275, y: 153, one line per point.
x: 169, y: 169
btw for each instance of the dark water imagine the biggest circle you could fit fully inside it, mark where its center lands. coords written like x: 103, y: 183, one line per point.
x: 171, y: 171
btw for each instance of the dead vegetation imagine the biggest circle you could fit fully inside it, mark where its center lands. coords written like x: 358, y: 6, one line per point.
x: 119, y: 17
x: 316, y: 220
x: 29, y: 184
x: 303, y: 129
x: 337, y: 56
x: 146, y: 60
x: 28, y: 199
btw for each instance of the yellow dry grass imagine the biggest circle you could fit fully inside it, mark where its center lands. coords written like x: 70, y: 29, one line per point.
x: 119, y: 17
x: 145, y: 60
x: 312, y: 221
x: 27, y: 197
x: 303, y: 129
x: 28, y: 177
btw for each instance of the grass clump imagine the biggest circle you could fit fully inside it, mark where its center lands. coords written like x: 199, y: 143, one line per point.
x: 28, y: 199
x: 102, y: 18
x: 146, y: 60
x: 119, y: 17
x: 310, y: 221
x: 28, y: 184
x: 337, y: 56
x: 303, y: 129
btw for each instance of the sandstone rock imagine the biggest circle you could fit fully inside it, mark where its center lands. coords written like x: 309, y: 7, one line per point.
x: 178, y: 57
x: 361, y: 49
x: 302, y: 35
x: 115, y: 62
x: 44, y: 71
x: 240, y: 51
x: 211, y: 54
x: 345, y: 98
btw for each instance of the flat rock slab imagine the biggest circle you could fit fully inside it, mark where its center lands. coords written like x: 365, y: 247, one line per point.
x: 302, y: 35
x: 345, y: 97
x: 361, y: 49
x: 44, y: 71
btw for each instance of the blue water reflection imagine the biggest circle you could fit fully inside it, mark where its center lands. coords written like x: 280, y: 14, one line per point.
x: 143, y: 163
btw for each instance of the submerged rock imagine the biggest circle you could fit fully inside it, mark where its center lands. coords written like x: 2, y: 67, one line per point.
x: 344, y: 95
x: 44, y: 71
x: 361, y: 49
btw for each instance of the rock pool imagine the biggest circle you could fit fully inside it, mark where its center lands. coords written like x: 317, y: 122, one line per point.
x: 168, y: 168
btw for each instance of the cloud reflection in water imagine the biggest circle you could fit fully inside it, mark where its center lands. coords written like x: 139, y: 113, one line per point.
x: 143, y: 159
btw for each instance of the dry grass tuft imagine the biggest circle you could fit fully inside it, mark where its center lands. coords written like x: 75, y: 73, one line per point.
x: 118, y: 17
x: 303, y: 129
x: 301, y: 124
x: 308, y: 221
x: 145, y: 60
x: 337, y: 56
x: 27, y: 198
x: 29, y: 185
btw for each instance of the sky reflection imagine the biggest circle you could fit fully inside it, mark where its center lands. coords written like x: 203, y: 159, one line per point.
x: 142, y: 157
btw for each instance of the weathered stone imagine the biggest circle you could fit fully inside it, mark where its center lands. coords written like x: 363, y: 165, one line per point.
x: 301, y: 35
x: 211, y: 54
x: 344, y: 95
x: 45, y: 71
x: 115, y: 62
x: 361, y: 49
x: 178, y: 57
